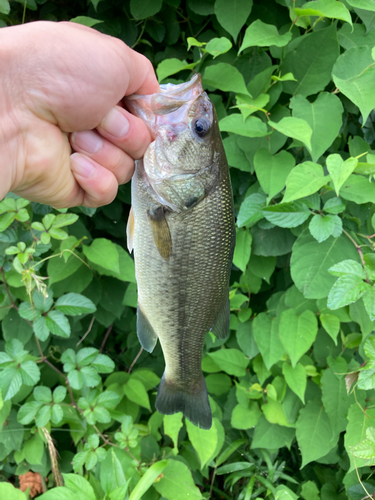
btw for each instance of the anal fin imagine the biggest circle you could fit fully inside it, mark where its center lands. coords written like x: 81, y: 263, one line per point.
x: 221, y: 325
x: 160, y: 231
x: 146, y: 335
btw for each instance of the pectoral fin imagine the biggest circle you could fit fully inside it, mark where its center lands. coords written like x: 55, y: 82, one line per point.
x: 160, y: 231
x: 130, y: 230
x: 221, y: 325
x: 146, y: 335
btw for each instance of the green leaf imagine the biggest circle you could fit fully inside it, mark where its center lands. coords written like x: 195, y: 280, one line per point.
x: 58, y: 269
x: 232, y: 15
x: 231, y: 361
x: 172, y: 426
x: 311, y: 260
x: 30, y: 372
x: 325, y: 8
x: 225, y: 77
x: 34, y: 449
x: 169, y: 67
x: 7, y: 490
x: 358, y: 422
x: 311, y: 62
x: 86, y: 21
x: 60, y: 493
x: 251, y: 127
x: 245, y: 418
x: 40, y: 328
x: 6, y: 220
x: 261, y: 34
x: 369, y: 302
x: 331, y: 325
x: 297, y: 128
x: 43, y: 394
x: 58, y: 324
x: 340, y: 170
x: 324, y: 226
x: 104, y: 253
x: 63, y: 220
x: 136, y: 392
x: 297, y: 333
x: 28, y: 411
x: 296, y: 379
x: 266, y: 334
x: 271, y: 436
x: 287, y: 214
x: 247, y: 105
x: 314, y: 432
x: 353, y: 74
x: 242, y: 249
x: 348, y: 267
x: 148, y: 479
x: 10, y: 382
x: 203, y: 441
x: 272, y: 170
x: 177, y: 482
x: 251, y: 210
x: 43, y: 416
x: 111, y: 473
x: 346, y: 290
x: 5, y: 9
x: 75, y: 304
x: 217, y: 46
x: 324, y: 116
x: 145, y: 8
x: 80, y: 486
x: 310, y: 491
x: 358, y: 189
x: 305, y: 179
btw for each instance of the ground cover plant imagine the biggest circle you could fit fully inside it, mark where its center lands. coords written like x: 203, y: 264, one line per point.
x: 292, y: 388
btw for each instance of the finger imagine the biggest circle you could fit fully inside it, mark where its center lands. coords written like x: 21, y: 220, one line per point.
x: 98, y: 184
x: 106, y: 154
x: 126, y: 131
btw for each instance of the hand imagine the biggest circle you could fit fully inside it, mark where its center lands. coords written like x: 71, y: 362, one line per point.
x: 59, y: 82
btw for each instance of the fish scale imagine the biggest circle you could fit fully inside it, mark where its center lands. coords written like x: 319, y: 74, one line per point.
x: 183, y: 293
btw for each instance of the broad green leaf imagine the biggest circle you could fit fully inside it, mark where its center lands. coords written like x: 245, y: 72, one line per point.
x: 225, y: 77
x: 297, y: 128
x: 59, y: 493
x: 177, y: 482
x: 231, y: 361
x: 14, y: 327
x: 251, y: 127
x: 34, y: 449
x: 58, y: 324
x: 43, y: 416
x: 305, y: 179
x: 148, y: 479
x: 111, y: 473
x: 7, y: 490
x: 232, y: 15
x: 58, y: 269
x: 296, y: 379
x: 285, y: 493
x: 235, y: 155
x: 136, y: 392
x: 271, y: 436
x: 126, y: 266
x: 287, y: 214
x: 30, y: 372
x: 348, y: 267
x: 272, y: 170
x: 336, y: 400
x: 28, y: 411
x: 261, y: 34
x: 353, y: 74
x: 314, y: 432
x: 80, y: 486
x: 217, y: 46
x: 325, y: 8
x: 358, y: 422
x: 311, y: 62
x: 297, y: 333
x: 324, y: 226
x: 324, y: 116
x: 242, y: 249
x: 310, y: 491
x: 63, y: 220
x: 104, y: 253
x: 75, y: 304
x: 247, y: 105
x: 245, y: 418
x: 358, y: 189
x: 10, y: 382
x: 362, y: 4
x: 169, y: 67
x: 5, y: 9
x: 203, y: 441
x: 346, y: 290
x: 266, y: 334
x: 251, y: 210
x: 233, y: 467
x: 172, y: 426
x: 311, y: 260
x: 340, y: 170
x: 144, y: 9
x: 331, y: 325
x: 86, y: 21
x: 369, y: 302
x: 43, y: 394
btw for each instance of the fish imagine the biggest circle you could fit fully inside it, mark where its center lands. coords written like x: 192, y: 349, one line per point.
x: 181, y: 229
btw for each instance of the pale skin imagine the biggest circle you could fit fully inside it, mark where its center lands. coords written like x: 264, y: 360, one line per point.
x: 64, y: 140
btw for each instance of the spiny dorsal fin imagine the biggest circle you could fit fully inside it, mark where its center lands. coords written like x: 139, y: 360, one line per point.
x: 160, y: 231
x: 130, y: 230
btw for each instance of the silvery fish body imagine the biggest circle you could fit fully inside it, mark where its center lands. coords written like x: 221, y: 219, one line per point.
x: 181, y: 229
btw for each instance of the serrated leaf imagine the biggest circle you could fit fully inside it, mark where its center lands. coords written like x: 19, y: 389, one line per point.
x: 58, y: 324
x: 287, y: 214
x: 251, y: 210
x: 322, y: 226
x: 75, y: 304
x: 346, y: 290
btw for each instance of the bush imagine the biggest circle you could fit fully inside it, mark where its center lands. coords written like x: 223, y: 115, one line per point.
x: 292, y: 388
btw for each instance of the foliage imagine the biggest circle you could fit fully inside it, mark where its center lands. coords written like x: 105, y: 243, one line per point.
x: 292, y: 388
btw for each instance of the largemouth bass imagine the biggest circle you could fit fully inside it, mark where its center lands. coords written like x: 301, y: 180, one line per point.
x: 181, y: 228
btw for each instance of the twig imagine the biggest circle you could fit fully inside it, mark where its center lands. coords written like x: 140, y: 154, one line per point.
x: 212, y: 481
x: 7, y: 289
x: 109, y: 329
x: 135, y: 359
x: 87, y: 332
x: 359, y: 250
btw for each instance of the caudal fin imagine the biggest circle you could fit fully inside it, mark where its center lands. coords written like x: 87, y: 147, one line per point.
x: 194, y: 405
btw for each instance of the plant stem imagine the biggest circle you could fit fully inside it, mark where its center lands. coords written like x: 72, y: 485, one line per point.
x: 359, y: 250
x: 135, y: 359
x: 107, y: 333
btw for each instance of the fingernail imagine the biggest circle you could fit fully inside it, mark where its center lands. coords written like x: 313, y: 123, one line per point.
x: 115, y: 123
x: 81, y: 165
x: 87, y: 140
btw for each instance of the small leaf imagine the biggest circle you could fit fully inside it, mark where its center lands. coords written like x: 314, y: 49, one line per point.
x: 136, y: 392
x: 346, y: 290
x: 305, y: 179
x: 75, y: 304
x: 58, y: 324
x: 225, y: 77
x: 296, y: 128
x: 263, y: 35
x: 296, y: 379
x: 297, y: 332
x: 148, y: 479
x: 340, y: 170
x: 251, y: 127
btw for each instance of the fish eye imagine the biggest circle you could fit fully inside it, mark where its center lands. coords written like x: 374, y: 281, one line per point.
x: 201, y: 127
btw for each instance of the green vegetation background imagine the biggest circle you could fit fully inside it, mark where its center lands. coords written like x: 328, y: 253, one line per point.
x: 292, y: 389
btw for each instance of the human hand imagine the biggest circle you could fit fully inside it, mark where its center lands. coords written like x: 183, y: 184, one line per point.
x: 59, y: 81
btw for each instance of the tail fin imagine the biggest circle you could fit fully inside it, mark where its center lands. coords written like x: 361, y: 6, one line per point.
x: 194, y: 405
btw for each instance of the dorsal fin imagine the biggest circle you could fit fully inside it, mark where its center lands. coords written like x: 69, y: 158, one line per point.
x: 160, y: 231
x: 130, y: 230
